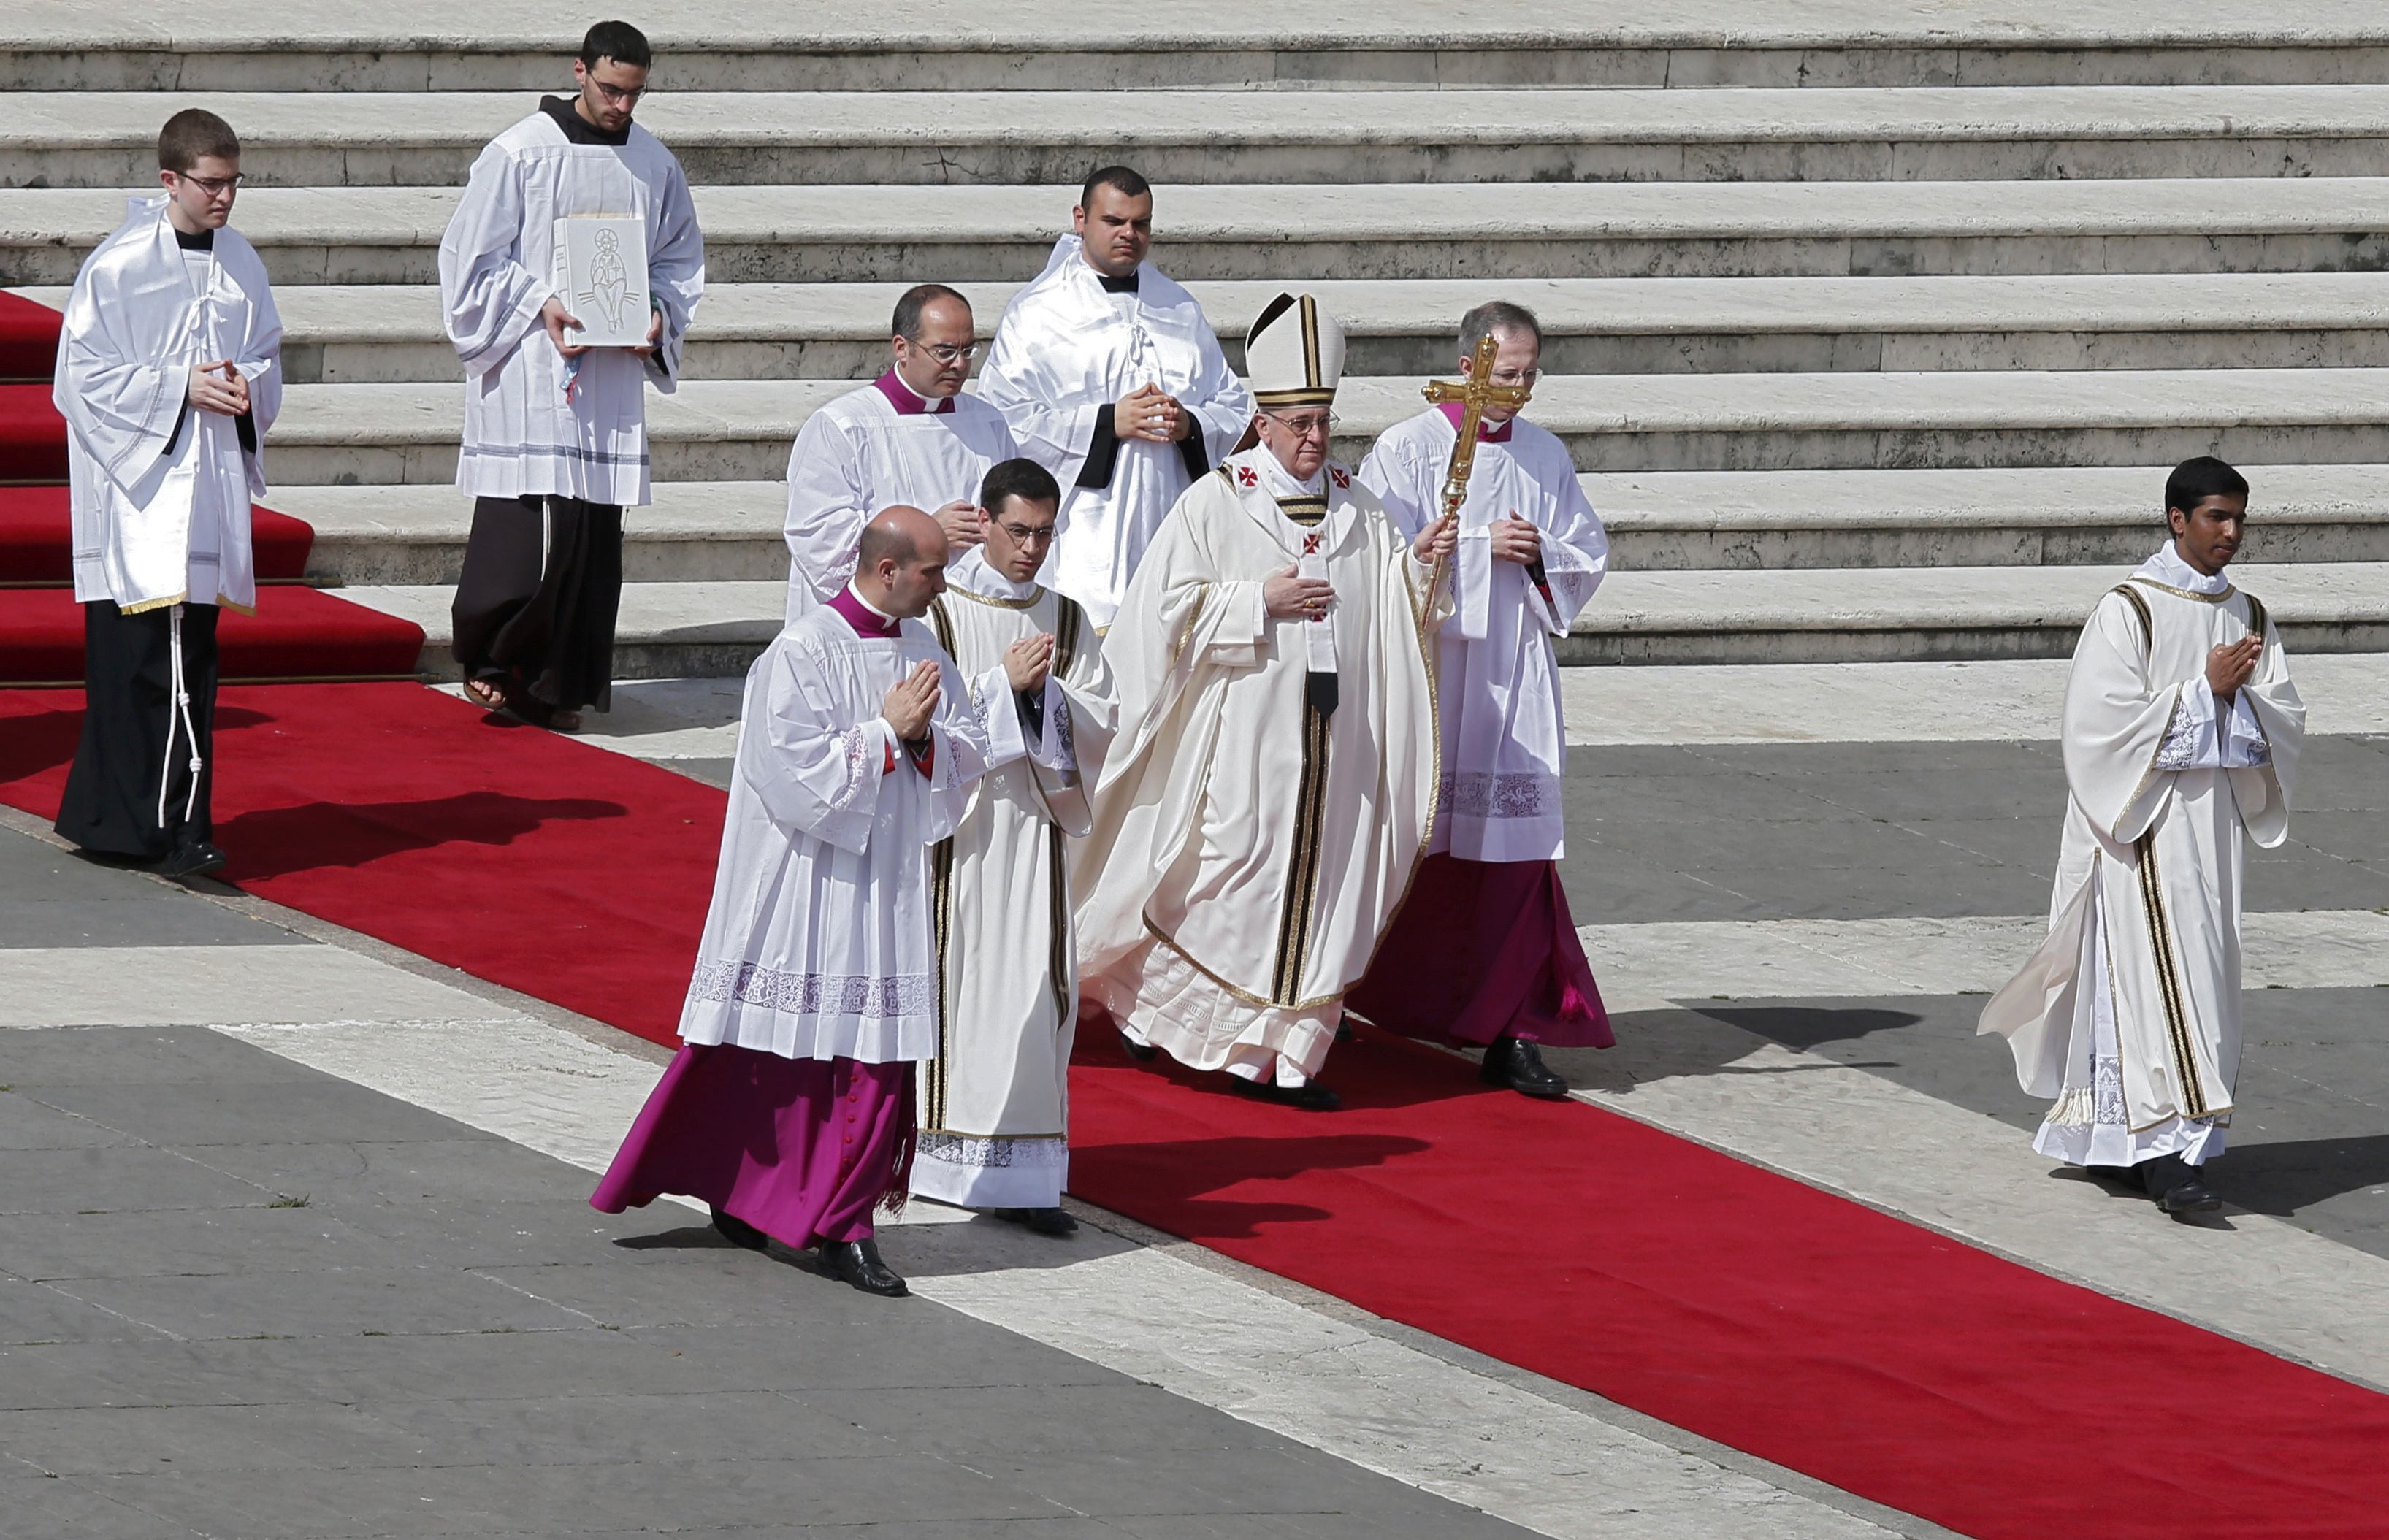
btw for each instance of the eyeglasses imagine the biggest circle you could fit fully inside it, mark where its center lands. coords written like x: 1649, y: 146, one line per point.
x: 947, y: 353
x: 1023, y: 535
x: 1306, y: 428
x: 619, y: 95
x: 214, y: 186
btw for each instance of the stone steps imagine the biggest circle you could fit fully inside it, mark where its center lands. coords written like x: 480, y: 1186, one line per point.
x: 925, y: 45
x: 729, y: 531
x: 390, y: 333
x: 741, y: 431
x: 694, y: 629
x: 301, y: 139
x: 1485, y: 231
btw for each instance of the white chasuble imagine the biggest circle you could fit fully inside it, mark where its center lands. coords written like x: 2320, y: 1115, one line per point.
x: 1071, y: 345
x: 1498, y: 682
x: 817, y: 945
x: 995, y: 1100
x: 2129, y: 1016
x: 535, y: 422
x: 872, y: 449
x: 159, y: 489
x: 1248, y: 849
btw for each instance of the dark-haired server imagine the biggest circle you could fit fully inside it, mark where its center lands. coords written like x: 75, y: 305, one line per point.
x: 169, y: 373
x: 994, y: 1099
x: 909, y: 438
x: 2181, y: 738
x: 555, y: 433
x: 1113, y: 380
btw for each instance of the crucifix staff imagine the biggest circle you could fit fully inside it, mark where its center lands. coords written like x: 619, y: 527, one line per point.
x: 1473, y: 394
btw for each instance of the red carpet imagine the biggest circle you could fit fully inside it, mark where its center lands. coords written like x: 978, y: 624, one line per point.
x: 33, y: 435
x: 1802, y: 1327
x: 37, y: 539
x: 28, y: 339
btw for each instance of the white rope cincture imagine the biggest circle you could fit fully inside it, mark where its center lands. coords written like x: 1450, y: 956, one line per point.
x: 180, y: 707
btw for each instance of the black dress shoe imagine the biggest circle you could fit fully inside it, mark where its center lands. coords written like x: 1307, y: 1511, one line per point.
x: 1310, y: 1096
x: 2174, y: 1183
x: 1144, y: 1054
x: 1344, y: 1033
x: 195, y: 860
x: 1516, y: 1064
x: 1044, y: 1221
x: 738, y: 1232
x: 857, y: 1262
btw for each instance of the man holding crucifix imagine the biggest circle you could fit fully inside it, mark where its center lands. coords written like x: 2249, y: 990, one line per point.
x: 1271, y: 786
x: 1485, y: 952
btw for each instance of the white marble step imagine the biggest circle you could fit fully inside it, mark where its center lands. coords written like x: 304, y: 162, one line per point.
x: 711, y: 630
x: 1482, y: 231
x: 930, y: 46
x: 384, y: 334
x: 740, y: 430
x: 320, y: 138
x: 1664, y: 521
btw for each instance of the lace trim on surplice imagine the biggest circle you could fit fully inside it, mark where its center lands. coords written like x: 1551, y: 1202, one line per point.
x: 815, y: 994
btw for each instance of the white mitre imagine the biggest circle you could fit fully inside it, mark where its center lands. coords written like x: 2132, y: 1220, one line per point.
x: 1294, y: 355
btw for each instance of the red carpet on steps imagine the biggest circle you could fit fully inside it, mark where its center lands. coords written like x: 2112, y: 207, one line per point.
x: 37, y: 539
x: 1868, y: 1353
x: 33, y: 435
x: 29, y: 338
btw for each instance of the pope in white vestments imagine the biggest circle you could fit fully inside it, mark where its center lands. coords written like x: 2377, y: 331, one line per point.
x: 791, y: 1109
x: 910, y: 436
x: 555, y: 436
x: 1485, y: 952
x: 169, y: 375
x: 1271, y: 789
x: 994, y: 1102
x: 2182, y: 737
x: 1113, y: 380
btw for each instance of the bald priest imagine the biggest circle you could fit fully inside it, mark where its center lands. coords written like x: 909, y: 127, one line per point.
x: 1271, y: 786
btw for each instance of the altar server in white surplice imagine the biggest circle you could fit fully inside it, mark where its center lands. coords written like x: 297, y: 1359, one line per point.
x: 1272, y: 785
x: 169, y: 374
x: 1113, y: 380
x: 1484, y: 953
x: 2181, y: 736
x: 910, y: 437
x: 790, y: 1110
x: 555, y: 434
x: 995, y: 1101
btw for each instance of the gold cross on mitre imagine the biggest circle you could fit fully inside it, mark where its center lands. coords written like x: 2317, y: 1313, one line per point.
x: 1473, y: 394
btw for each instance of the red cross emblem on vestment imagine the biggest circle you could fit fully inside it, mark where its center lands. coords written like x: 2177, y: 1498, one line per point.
x: 1342, y: 479
x: 1310, y: 545
x: 1247, y: 477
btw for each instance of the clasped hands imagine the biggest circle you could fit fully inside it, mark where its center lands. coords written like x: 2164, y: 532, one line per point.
x: 1153, y: 414
x: 219, y: 387
x: 1027, y: 662
x: 2232, y: 665
x: 910, y: 702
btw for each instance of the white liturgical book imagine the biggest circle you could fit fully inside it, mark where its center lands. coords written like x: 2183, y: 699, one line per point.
x: 600, y: 270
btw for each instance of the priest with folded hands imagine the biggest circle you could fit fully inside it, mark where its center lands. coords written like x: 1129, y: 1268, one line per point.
x: 790, y: 1108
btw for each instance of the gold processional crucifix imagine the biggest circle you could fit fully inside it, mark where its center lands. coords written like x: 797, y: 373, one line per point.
x: 1473, y: 394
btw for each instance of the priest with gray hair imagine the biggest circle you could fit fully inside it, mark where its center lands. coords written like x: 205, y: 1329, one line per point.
x: 1271, y: 785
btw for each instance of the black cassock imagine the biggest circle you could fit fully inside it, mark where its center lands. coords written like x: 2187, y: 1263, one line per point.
x: 132, y: 792
x: 536, y: 602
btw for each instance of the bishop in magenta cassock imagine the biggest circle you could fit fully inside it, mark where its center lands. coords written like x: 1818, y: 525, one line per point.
x: 910, y: 437
x: 1485, y: 952
x: 790, y: 1107
x: 1271, y: 786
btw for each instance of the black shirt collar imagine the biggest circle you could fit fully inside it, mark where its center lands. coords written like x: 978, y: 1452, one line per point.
x: 577, y: 128
x: 204, y: 241
x: 1118, y: 286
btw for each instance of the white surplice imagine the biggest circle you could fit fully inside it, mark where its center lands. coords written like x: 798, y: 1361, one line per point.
x: 160, y: 490
x: 1066, y: 351
x: 994, y: 1102
x: 1246, y: 854
x: 818, y: 943
x: 1498, y: 679
x: 535, y: 423
x: 872, y: 449
x: 2129, y: 1016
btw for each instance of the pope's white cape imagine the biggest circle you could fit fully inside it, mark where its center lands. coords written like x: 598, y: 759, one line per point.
x: 1498, y: 680
x: 858, y: 455
x: 817, y: 945
x: 523, y: 434
x: 1243, y: 864
x: 994, y: 1102
x: 2150, y: 864
x: 160, y: 490
x: 1064, y: 349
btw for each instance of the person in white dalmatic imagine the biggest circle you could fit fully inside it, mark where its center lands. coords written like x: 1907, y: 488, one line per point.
x: 2182, y: 737
x: 1271, y: 788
